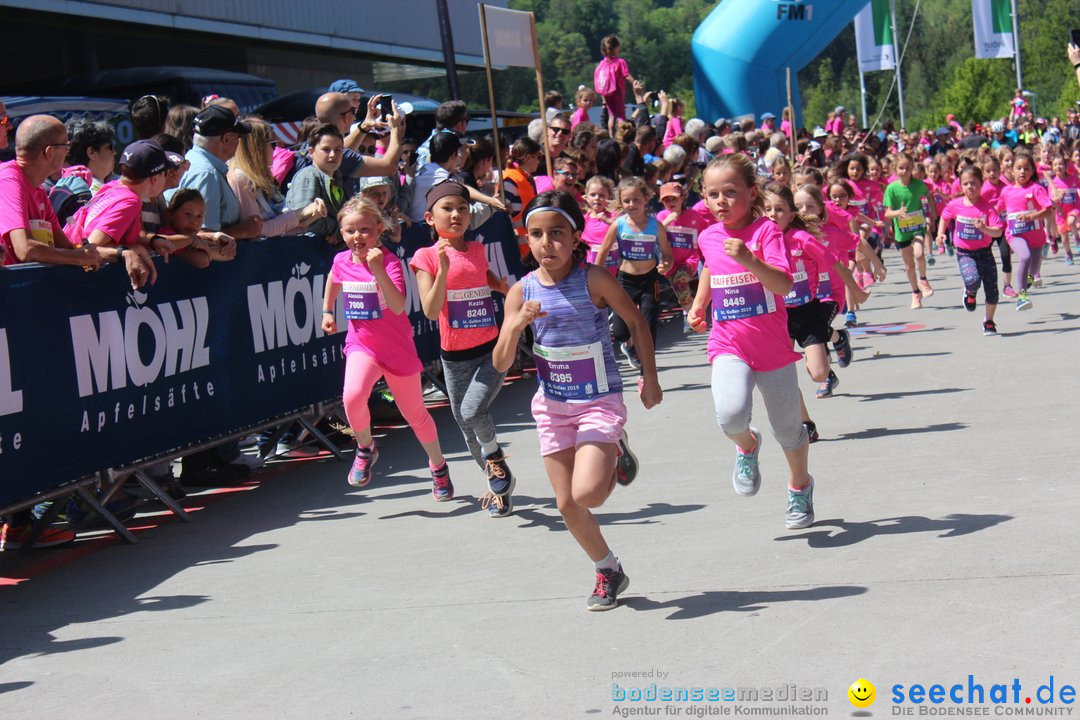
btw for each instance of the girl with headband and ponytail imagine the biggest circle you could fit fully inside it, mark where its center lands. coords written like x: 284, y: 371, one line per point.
x: 455, y: 288
x: 579, y: 409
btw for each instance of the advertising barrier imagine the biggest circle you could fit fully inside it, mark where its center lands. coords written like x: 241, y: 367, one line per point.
x: 94, y: 375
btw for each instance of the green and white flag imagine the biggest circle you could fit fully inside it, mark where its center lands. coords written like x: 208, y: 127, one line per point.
x: 873, y: 37
x: 993, y: 28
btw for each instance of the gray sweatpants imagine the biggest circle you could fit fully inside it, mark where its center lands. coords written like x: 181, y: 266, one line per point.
x: 733, y: 385
x: 472, y: 386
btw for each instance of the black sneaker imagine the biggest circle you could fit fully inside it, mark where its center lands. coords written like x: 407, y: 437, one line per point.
x: 609, y: 585
x: 499, y: 478
x: 811, y: 431
x: 843, y: 348
x: 969, y: 302
x: 626, y: 467
x: 989, y: 328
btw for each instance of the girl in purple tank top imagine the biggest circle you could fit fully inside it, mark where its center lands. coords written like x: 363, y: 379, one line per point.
x: 578, y: 408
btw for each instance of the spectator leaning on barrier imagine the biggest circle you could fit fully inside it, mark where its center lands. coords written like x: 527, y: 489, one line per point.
x: 113, y: 218
x: 217, y: 136
x: 93, y: 145
x: 255, y: 188
x: 321, y: 180
x: 29, y: 230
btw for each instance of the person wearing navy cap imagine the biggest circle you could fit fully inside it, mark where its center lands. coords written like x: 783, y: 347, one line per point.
x: 942, y: 142
x: 767, y: 124
x: 217, y: 137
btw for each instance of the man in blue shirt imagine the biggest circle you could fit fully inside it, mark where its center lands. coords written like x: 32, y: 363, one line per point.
x: 217, y: 136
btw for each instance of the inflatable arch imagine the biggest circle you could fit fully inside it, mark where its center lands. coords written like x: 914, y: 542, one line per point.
x: 742, y: 48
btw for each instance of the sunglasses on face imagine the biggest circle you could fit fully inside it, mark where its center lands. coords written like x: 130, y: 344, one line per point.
x: 567, y: 173
x: 367, y: 149
x: 560, y: 130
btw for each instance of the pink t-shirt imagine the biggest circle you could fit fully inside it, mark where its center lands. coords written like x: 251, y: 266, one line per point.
x: 808, y: 260
x: 875, y: 197
x: 1016, y: 199
x: 373, y: 330
x: 941, y: 190
x: 748, y: 321
x: 682, y: 235
x: 24, y: 207
x: 703, y: 210
x: 1070, y: 201
x: 674, y: 128
x: 467, y: 318
x: 990, y: 192
x: 593, y: 236
x: 577, y: 117
x: 116, y: 211
x: 838, y: 245
x: 965, y: 235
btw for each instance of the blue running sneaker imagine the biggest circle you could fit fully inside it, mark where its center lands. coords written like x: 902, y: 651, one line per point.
x: 800, y: 507
x: 747, y: 476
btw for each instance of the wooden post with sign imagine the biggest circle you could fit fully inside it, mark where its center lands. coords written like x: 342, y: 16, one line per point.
x: 791, y: 121
x: 540, y: 93
x: 491, y: 103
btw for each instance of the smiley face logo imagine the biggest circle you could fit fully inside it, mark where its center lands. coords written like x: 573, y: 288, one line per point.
x: 862, y: 693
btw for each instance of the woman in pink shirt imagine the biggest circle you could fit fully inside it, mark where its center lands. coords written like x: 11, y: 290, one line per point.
x: 745, y: 279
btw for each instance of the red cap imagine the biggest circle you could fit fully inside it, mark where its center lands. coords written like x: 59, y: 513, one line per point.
x: 671, y: 189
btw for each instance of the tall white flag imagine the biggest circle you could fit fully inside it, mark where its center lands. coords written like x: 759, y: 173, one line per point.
x: 993, y: 28
x: 873, y: 37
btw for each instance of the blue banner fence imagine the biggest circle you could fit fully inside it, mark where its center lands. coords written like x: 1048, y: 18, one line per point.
x: 95, y: 376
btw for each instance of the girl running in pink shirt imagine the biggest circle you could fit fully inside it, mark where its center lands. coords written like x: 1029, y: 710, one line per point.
x: 976, y: 224
x: 990, y: 192
x: 599, y: 192
x: 379, y: 342
x: 746, y: 276
x: 683, y: 227
x: 1025, y: 204
x: 1065, y: 191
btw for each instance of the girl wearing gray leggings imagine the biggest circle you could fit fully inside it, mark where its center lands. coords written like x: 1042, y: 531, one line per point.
x: 455, y: 288
x: 746, y: 276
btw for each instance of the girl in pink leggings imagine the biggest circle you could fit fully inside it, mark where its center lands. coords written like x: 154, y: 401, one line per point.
x: 379, y: 342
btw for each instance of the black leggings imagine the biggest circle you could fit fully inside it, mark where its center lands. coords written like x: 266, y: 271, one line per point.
x: 644, y: 290
x: 1003, y: 249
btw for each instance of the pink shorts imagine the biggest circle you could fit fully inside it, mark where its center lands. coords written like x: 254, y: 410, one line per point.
x: 563, y: 425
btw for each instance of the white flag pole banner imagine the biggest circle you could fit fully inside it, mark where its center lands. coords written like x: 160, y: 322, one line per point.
x: 873, y: 37
x: 510, y: 39
x: 993, y: 28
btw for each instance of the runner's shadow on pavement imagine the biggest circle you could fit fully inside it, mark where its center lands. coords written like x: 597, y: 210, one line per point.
x: 715, y: 601
x: 13, y: 686
x: 849, y: 533
x: 888, y: 356
x: 553, y: 520
x: 1041, y: 330
x: 900, y: 395
x: 869, y: 433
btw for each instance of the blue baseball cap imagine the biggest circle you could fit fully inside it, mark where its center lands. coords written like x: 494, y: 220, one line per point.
x: 345, y: 86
